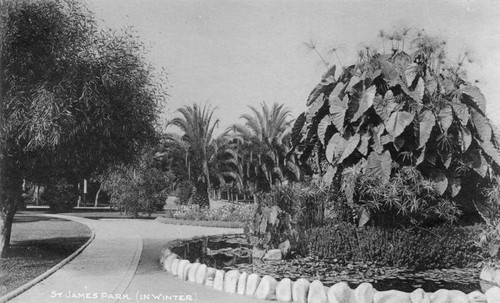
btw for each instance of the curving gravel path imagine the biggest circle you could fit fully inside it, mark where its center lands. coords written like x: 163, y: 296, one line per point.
x: 121, y: 265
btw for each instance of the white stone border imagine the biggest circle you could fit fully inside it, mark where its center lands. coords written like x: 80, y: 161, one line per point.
x: 303, y: 291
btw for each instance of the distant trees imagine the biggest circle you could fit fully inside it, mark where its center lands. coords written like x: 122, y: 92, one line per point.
x: 396, y: 110
x: 205, y: 157
x: 74, y: 99
x: 263, y: 142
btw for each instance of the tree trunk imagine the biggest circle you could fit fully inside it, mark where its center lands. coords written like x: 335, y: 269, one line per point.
x: 6, y: 220
x: 201, y: 194
x: 10, y: 199
x: 97, y: 196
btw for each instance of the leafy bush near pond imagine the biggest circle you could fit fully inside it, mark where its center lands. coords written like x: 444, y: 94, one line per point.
x: 285, y: 211
x: 438, y: 247
x: 231, y: 213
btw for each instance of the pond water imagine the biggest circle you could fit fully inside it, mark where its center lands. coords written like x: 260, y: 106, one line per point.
x: 234, y: 252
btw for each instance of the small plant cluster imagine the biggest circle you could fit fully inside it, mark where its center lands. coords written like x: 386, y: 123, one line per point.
x: 285, y: 211
x: 445, y: 246
x: 229, y: 213
x: 408, y: 199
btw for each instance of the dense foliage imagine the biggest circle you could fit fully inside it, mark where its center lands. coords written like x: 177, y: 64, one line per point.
x: 284, y: 212
x: 261, y: 144
x: 137, y: 188
x: 231, y: 213
x: 206, y: 159
x: 60, y: 196
x: 445, y: 246
x: 75, y: 99
x: 389, y: 111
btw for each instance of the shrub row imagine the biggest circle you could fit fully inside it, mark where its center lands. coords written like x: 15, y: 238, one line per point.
x: 229, y: 213
x: 418, y: 248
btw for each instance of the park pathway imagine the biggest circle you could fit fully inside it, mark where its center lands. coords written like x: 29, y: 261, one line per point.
x: 121, y: 265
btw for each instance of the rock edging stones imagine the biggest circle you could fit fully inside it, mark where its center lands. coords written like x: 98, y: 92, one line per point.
x: 302, y: 291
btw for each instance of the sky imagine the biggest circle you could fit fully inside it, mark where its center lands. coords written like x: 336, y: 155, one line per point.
x: 232, y: 54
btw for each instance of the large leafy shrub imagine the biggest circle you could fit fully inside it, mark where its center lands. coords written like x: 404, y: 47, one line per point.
x: 445, y: 246
x: 285, y: 211
x: 138, y: 188
x: 401, y: 109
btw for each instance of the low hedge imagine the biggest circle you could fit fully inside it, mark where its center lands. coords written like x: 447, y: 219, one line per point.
x: 223, y: 224
x: 418, y: 248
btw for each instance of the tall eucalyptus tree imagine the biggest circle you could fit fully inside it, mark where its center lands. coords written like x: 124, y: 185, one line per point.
x: 74, y: 99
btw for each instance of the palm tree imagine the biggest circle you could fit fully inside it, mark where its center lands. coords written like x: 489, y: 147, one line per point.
x: 197, y: 126
x: 263, y: 142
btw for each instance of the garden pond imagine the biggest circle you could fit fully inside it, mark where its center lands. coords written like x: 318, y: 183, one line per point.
x: 234, y: 252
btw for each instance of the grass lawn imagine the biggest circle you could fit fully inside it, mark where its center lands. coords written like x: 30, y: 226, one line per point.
x: 37, y: 244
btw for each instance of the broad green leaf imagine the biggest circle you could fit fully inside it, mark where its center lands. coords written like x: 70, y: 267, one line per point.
x: 379, y: 106
x: 455, y: 186
x: 375, y: 74
x: 440, y: 180
x: 430, y: 84
x: 418, y: 93
x: 322, y: 126
x: 337, y: 113
x: 336, y: 92
x: 466, y: 138
x: 327, y: 79
x: 491, y: 151
x: 474, y: 94
x: 401, y: 62
x: 350, y: 146
x: 445, y: 116
x: 389, y: 73
x: 297, y: 129
x: 335, y: 148
x: 493, y: 249
x: 376, y: 133
x: 411, y: 73
x: 482, y: 125
x: 446, y: 158
x: 431, y: 156
x: 421, y: 157
x: 385, y: 139
x: 399, y: 142
x: 479, y: 163
x: 273, y: 215
x: 365, y: 103
x: 314, y: 107
x: 379, y: 166
x: 426, y: 125
x: 330, y: 174
x: 363, y: 143
x: 448, y: 86
x: 364, y: 217
x: 353, y: 82
x: 462, y: 112
x: 398, y: 122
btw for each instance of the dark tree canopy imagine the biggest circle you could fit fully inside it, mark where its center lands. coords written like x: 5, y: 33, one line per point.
x: 75, y: 99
